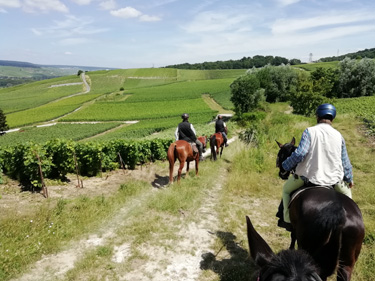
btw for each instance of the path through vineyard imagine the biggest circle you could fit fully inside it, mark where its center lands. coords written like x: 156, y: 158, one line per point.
x: 182, y: 261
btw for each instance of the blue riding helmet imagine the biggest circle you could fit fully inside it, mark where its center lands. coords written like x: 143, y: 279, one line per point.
x: 326, y: 109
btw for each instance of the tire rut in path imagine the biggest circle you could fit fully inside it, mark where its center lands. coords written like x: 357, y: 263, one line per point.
x: 180, y: 262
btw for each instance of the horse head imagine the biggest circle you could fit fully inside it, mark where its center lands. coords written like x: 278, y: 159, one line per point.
x: 284, y: 152
x: 286, y: 265
x: 203, y: 140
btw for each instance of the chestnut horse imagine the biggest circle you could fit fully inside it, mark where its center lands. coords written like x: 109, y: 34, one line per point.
x: 183, y: 151
x: 326, y: 224
x: 216, y: 142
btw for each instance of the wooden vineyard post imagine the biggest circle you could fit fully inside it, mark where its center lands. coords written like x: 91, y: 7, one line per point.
x: 121, y: 162
x: 44, y: 187
x: 75, y: 162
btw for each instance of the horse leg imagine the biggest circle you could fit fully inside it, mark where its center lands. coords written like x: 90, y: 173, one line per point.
x: 187, y: 168
x: 196, y: 165
x: 293, y: 239
x: 182, y: 163
x: 171, y: 164
x: 221, y: 151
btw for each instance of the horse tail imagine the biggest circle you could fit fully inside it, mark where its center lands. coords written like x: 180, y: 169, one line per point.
x: 332, y: 218
x: 326, y: 230
x: 171, y: 154
x: 212, y: 146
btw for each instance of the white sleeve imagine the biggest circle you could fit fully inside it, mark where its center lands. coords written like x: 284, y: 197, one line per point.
x: 192, y: 128
x: 176, y: 134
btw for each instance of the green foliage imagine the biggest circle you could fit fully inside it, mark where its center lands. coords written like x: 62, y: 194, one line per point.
x: 62, y: 131
x: 3, y: 121
x: 246, y: 93
x: 57, y: 157
x: 22, y: 163
x: 279, y: 82
x: 306, y: 101
x: 356, y: 78
x: 325, y: 81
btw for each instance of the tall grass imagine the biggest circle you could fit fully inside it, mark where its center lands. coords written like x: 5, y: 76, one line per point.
x: 44, y: 230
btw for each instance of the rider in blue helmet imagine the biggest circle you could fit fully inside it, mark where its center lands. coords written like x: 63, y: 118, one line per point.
x: 320, y: 159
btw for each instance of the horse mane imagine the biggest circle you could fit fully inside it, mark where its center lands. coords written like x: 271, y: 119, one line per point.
x: 290, y: 265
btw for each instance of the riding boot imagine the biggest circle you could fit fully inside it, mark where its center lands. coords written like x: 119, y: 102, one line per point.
x: 225, y: 142
x: 200, y: 154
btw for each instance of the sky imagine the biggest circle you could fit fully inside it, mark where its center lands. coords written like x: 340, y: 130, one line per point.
x: 156, y: 33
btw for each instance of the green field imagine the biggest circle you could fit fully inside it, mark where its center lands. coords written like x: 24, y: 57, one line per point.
x: 158, y: 96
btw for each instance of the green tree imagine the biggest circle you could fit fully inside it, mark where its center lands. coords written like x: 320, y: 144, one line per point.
x: 325, y: 81
x: 305, y: 100
x: 246, y: 93
x: 356, y: 78
x: 279, y: 82
x: 3, y: 121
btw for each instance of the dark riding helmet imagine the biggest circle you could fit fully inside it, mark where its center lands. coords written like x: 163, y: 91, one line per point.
x: 185, y: 116
x: 326, y: 109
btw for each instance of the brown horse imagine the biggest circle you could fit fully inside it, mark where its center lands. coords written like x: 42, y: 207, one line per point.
x: 326, y: 224
x: 216, y: 142
x: 183, y: 151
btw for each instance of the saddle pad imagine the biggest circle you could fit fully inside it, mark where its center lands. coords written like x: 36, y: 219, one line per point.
x: 302, y: 189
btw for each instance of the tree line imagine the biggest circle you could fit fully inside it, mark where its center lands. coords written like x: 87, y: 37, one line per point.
x: 304, y: 90
x: 244, y: 63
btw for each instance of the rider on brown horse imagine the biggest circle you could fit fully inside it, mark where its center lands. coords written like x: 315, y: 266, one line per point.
x: 221, y: 127
x: 185, y: 131
x: 322, y: 160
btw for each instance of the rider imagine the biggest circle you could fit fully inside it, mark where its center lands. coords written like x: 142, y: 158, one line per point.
x: 321, y: 158
x: 185, y: 131
x: 221, y: 127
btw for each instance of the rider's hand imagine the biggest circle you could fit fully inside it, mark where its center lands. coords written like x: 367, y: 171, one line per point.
x: 351, y: 184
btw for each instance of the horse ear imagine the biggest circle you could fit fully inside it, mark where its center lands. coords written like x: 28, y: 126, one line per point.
x: 259, y: 249
x: 279, y: 144
x: 293, y: 142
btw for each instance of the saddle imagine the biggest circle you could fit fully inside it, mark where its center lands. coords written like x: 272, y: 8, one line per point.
x: 295, y: 194
x: 194, y: 148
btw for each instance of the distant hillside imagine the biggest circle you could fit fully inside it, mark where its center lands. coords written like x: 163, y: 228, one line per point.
x: 16, y: 72
x: 366, y: 53
x: 18, y: 64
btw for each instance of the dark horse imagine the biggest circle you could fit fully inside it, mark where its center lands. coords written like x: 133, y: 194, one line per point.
x: 183, y: 151
x: 216, y: 142
x: 285, y: 266
x: 326, y: 224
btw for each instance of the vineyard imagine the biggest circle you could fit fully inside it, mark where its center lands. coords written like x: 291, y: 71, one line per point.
x: 94, y: 131
x: 128, y: 120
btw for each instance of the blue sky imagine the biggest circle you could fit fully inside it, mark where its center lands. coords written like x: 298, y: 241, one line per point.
x: 155, y: 33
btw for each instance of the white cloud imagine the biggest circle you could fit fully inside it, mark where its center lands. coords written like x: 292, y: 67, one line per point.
x: 286, y: 2
x: 44, y: 6
x: 82, y: 2
x: 108, y: 5
x: 217, y: 22
x: 73, y: 41
x: 325, y: 20
x: 68, y: 53
x: 130, y: 12
x: 10, y: 4
x: 126, y: 13
x: 149, y: 18
x: 71, y: 26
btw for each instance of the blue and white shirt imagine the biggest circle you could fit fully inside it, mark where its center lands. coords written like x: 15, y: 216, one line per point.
x: 321, y: 156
